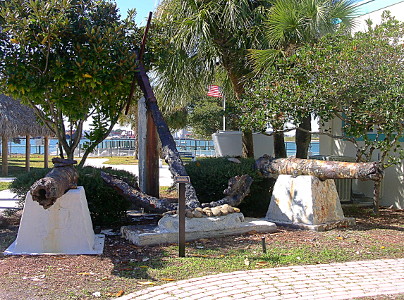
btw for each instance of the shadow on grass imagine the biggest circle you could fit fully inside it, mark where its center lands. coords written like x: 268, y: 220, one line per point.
x: 15, y: 170
x: 8, y: 235
x: 16, y: 164
x: 161, y: 264
x: 134, y: 262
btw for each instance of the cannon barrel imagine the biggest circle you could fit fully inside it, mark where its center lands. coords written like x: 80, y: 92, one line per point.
x: 271, y: 167
x: 56, y: 183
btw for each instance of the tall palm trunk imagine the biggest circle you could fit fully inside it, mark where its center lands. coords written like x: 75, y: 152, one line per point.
x: 279, y: 145
x: 238, y: 87
x: 279, y: 137
x: 248, y: 143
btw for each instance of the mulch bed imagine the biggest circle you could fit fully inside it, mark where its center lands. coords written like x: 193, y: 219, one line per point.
x: 83, y: 276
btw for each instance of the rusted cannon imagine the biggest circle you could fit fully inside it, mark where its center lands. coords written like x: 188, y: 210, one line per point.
x: 271, y: 167
x: 56, y: 183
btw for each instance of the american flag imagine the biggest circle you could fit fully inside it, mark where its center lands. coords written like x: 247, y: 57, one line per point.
x: 214, y: 91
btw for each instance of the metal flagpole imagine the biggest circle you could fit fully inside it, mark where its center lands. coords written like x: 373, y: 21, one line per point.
x: 217, y: 91
x: 224, y: 111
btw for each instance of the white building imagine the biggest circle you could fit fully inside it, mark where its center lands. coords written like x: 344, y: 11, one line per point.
x: 393, y: 185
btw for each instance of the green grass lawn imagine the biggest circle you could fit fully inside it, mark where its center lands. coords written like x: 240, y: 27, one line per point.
x: 16, y: 163
x: 119, y: 160
x: 4, y: 186
x: 199, y: 262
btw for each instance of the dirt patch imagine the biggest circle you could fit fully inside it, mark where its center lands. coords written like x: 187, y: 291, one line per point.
x: 113, y: 273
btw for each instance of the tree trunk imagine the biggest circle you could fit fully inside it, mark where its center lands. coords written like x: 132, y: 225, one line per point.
x: 279, y: 145
x: 376, y: 196
x: 46, y: 152
x: 60, y: 150
x: 4, y: 155
x: 98, y: 140
x: 322, y: 169
x: 27, y: 153
x: 55, y: 184
x: 238, y: 189
x: 303, y: 138
x: 248, y: 144
x: 69, y: 153
x: 236, y: 78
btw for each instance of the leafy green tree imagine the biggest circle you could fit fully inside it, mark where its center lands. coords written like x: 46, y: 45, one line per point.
x: 358, y: 80
x: 290, y: 24
x: 69, y: 60
x: 205, y: 116
x: 206, y: 40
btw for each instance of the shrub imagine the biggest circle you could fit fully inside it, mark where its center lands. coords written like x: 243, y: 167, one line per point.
x: 210, y: 178
x: 23, y: 182
x: 106, y: 206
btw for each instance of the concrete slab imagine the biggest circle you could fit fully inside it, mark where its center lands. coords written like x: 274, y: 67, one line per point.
x: 196, y: 228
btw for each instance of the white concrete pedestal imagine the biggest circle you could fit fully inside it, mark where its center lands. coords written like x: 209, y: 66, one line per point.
x: 64, y: 228
x: 306, y: 202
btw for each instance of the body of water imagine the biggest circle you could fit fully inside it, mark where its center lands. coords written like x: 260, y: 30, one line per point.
x: 197, y: 147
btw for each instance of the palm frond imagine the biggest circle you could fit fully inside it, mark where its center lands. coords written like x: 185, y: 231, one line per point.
x: 181, y: 78
x: 201, y: 34
x: 297, y: 21
x: 263, y: 59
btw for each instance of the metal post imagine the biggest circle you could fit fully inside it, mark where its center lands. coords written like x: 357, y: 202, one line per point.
x: 264, y: 246
x: 224, y: 111
x: 27, y: 152
x: 181, y: 220
x: 4, y: 154
x: 181, y: 180
x: 46, y: 152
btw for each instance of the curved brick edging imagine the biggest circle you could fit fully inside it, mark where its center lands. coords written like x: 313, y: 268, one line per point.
x: 324, y: 281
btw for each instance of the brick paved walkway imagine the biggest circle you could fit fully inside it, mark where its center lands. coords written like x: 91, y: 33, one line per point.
x: 326, y: 281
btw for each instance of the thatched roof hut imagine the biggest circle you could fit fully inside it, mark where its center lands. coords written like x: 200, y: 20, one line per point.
x: 17, y: 119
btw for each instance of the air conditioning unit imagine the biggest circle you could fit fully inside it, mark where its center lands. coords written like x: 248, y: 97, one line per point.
x: 344, y: 186
x: 344, y: 189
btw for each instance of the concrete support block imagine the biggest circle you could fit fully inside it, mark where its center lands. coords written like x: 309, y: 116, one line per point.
x: 195, y: 228
x: 64, y: 228
x: 306, y: 202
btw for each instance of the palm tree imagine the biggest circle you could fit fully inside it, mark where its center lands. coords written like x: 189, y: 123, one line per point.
x: 208, y: 40
x: 290, y: 24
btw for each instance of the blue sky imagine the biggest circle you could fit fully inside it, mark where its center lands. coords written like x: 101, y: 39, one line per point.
x: 143, y: 7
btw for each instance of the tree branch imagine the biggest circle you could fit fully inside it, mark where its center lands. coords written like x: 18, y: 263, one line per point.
x: 40, y: 114
x: 105, y: 135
